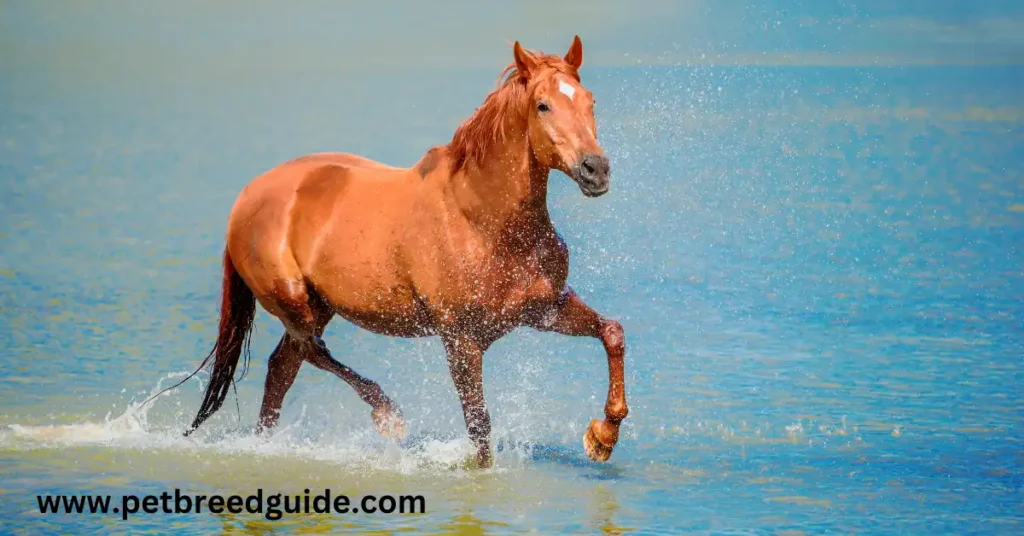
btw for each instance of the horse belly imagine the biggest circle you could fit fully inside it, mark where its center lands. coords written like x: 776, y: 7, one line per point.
x: 395, y: 314
x: 360, y: 281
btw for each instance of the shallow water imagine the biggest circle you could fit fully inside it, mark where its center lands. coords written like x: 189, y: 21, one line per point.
x: 818, y: 270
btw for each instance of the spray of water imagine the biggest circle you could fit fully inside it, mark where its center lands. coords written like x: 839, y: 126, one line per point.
x: 153, y: 420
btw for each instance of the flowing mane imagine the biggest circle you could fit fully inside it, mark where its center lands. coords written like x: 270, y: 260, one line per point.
x: 506, y: 106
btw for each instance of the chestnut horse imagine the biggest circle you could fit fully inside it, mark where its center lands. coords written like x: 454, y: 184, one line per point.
x: 460, y: 246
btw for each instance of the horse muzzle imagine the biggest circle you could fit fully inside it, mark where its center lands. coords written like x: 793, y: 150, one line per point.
x: 593, y: 173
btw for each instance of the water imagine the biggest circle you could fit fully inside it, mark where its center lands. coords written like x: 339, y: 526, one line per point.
x: 818, y: 271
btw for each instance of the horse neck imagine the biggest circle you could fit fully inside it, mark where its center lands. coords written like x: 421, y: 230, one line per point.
x: 508, y: 188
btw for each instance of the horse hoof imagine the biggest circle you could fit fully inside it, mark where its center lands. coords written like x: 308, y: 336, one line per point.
x: 596, y: 449
x: 389, y: 422
x: 484, y: 461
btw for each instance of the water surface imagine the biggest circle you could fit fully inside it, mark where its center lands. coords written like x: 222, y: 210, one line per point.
x: 818, y: 271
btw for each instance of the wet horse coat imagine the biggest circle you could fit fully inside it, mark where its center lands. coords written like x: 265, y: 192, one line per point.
x: 459, y: 246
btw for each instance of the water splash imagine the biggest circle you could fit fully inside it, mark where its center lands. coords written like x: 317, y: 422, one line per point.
x: 299, y: 439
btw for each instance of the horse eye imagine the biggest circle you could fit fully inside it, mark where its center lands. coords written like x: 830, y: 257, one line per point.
x: 542, y: 107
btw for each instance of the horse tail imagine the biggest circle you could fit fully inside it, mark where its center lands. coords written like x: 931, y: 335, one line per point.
x: 237, y: 311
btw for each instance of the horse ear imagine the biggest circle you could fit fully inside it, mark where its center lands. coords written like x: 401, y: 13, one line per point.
x: 575, y: 55
x: 525, y: 63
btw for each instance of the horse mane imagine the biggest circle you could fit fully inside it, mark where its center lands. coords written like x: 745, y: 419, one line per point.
x: 507, y: 104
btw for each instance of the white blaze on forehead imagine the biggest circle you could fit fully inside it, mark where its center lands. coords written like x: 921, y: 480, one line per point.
x: 566, y: 89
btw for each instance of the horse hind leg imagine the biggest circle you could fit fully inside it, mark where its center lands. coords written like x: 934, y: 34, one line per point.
x: 282, y: 369
x: 387, y: 416
x: 305, y: 317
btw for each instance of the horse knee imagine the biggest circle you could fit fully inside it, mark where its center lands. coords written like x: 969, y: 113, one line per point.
x: 612, y: 336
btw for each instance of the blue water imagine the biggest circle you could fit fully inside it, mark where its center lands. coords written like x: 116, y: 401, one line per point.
x: 818, y: 271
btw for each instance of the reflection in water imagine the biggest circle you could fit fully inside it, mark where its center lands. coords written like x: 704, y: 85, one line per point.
x: 294, y: 524
x: 604, y: 509
x: 464, y: 523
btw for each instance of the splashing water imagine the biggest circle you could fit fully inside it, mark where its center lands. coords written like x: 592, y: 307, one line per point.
x: 132, y: 430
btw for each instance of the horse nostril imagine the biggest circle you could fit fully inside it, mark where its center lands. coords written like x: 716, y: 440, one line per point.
x: 588, y: 168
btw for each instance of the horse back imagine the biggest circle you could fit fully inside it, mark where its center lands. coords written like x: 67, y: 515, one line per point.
x: 348, y: 160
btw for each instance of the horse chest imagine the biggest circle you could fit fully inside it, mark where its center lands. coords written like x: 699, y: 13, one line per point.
x: 493, y: 288
x: 522, y: 282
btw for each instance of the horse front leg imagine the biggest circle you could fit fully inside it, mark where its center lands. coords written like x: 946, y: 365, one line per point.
x: 571, y: 316
x: 466, y: 363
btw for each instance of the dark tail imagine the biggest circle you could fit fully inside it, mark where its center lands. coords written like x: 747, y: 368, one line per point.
x: 237, y: 310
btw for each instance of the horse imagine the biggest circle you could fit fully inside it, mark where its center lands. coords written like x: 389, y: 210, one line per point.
x: 459, y: 246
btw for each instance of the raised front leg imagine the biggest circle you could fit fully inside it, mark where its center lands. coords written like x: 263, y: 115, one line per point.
x: 570, y: 316
x: 466, y: 362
